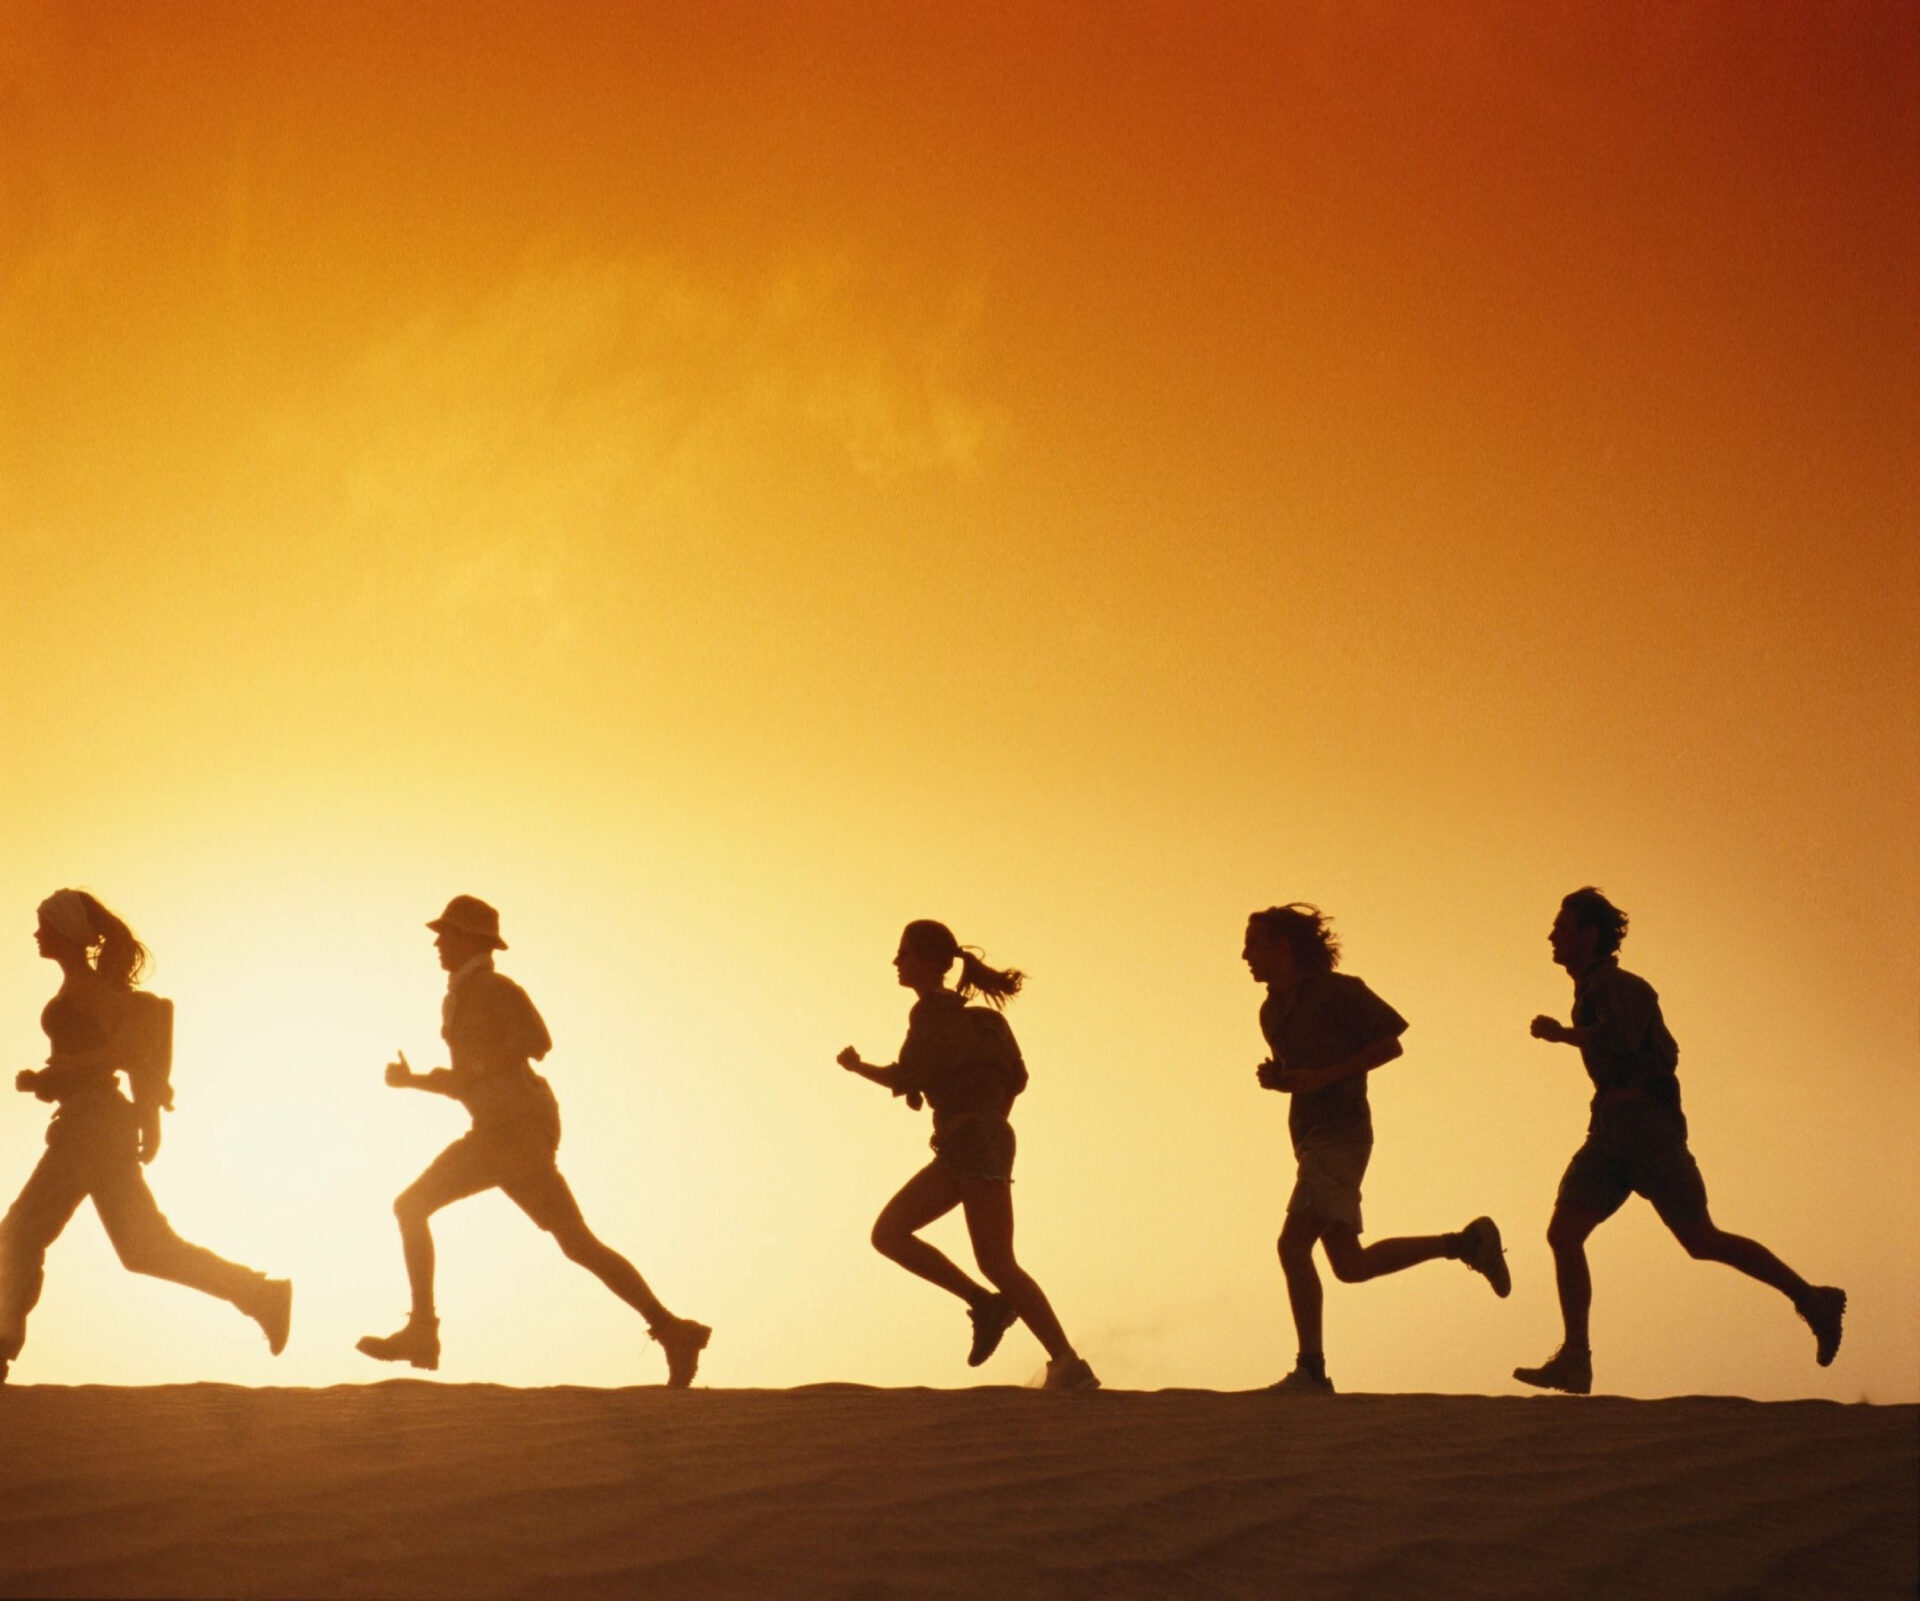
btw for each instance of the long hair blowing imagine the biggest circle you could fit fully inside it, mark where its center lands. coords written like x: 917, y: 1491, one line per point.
x: 121, y: 959
x: 1307, y: 929
x: 935, y: 941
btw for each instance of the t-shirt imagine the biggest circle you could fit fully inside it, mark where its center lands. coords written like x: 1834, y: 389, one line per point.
x: 961, y: 1058
x: 84, y: 1017
x: 492, y: 1030
x: 1329, y: 1018
x: 1627, y: 1046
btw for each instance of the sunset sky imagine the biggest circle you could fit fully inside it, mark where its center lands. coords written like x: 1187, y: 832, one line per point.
x: 719, y: 481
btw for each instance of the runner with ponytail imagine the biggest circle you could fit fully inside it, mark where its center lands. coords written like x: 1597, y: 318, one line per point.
x: 964, y: 1062
x: 100, y: 1025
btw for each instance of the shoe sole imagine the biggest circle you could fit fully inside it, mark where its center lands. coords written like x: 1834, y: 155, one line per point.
x: 1533, y: 1377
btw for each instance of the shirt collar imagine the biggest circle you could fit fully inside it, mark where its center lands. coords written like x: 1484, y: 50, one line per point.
x: 467, y: 969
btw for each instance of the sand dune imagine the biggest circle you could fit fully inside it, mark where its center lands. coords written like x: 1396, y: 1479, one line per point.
x: 414, y: 1489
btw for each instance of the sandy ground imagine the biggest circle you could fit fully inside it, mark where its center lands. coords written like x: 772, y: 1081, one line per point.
x: 414, y: 1489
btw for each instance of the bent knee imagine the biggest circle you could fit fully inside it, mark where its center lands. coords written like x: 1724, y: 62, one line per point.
x: 147, y: 1253
x: 1001, y: 1271
x: 889, y: 1239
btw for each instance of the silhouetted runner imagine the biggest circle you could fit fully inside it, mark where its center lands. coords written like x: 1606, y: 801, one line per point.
x: 494, y: 1035
x: 100, y: 1025
x: 1636, y: 1143
x: 1327, y: 1032
x: 964, y: 1062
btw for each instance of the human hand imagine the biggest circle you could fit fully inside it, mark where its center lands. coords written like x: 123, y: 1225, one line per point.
x: 1548, y: 1028
x: 850, y: 1060
x: 27, y: 1081
x: 1272, y: 1075
x: 399, y: 1075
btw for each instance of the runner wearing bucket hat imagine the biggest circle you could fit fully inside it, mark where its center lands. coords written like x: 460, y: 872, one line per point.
x: 494, y: 1036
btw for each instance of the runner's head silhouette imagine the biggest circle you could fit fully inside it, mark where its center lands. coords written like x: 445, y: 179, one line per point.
x: 1285, y: 941
x: 469, y: 927
x: 74, y: 927
x: 928, y: 949
x: 1588, y: 928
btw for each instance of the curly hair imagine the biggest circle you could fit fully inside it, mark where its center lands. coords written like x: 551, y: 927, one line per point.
x: 1590, y: 909
x: 1306, y: 929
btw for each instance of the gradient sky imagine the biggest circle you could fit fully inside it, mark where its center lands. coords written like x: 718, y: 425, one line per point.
x: 723, y: 481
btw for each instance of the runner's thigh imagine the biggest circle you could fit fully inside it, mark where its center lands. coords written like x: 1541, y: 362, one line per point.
x: 542, y: 1192
x: 466, y: 1167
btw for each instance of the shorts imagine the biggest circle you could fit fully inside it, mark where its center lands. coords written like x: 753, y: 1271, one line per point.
x: 1636, y: 1148
x: 976, y: 1146
x: 515, y: 1158
x: 1327, y: 1187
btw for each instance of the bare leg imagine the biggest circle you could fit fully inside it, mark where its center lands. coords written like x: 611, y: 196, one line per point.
x: 416, y: 1248
x: 580, y: 1244
x: 1567, y: 1238
x: 1354, y: 1263
x: 1304, y: 1294
x: 46, y: 1203
x: 929, y: 1194
x: 989, y: 1204
x: 1706, y: 1242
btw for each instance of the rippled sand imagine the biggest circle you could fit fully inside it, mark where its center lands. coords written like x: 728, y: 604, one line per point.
x: 414, y: 1489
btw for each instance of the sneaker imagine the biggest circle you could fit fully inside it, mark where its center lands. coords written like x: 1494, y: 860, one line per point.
x: 1302, y: 1382
x: 1570, y: 1372
x: 274, y: 1312
x: 1823, y: 1309
x: 1481, y: 1250
x: 1070, y: 1373
x: 417, y: 1342
x: 991, y: 1319
x: 683, y: 1340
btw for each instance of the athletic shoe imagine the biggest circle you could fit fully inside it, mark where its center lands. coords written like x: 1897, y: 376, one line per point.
x: 416, y: 1342
x: 1570, y: 1372
x: 1480, y: 1249
x: 1823, y: 1309
x: 683, y: 1340
x: 1070, y: 1373
x: 274, y: 1312
x: 991, y: 1319
x: 1302, y: 1381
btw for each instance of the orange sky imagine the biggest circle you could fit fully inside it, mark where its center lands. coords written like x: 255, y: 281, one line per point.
x: 722, y: 485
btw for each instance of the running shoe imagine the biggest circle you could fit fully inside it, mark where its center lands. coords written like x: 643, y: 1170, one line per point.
x: 1570, y: 1372
x: 273, y: 1311
x: 1481, y: 1250
x: 1302, y: 1381
x: 1070, y: 1373
x: 683, y: 1340
x: 1823, y: 1309
x: 991, y: 1319
x: 417, y: 1342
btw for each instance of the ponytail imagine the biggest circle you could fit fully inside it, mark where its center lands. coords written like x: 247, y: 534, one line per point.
x: 121, y: 959
x: 992, y: 984
x: 935, y: 941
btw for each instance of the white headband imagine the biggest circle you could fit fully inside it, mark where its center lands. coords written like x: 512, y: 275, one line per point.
x: 66, y: 914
